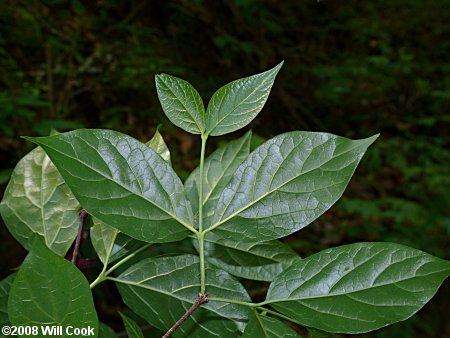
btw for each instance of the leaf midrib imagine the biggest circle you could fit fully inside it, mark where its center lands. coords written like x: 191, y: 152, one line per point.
x: 354, y: 291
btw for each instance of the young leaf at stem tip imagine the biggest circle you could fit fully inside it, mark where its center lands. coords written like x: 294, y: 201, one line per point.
x: 181, y: 103
x: 236, y: 104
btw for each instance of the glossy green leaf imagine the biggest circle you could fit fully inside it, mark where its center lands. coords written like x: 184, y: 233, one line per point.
x: 37, y: 201
x: 132, y: 328
x: 161, y: 289
x: 158, y: 144
x: 5, y: 286
x: 267, y: 327
x: 257, y: 261
x: 49, y: 290
x: 236, y: 104
x: 122, y: 182
x: 357, y: 288
x: 105, y: 331
x: 285, y: 184
x: 218, y: 169
x: 181, y: 103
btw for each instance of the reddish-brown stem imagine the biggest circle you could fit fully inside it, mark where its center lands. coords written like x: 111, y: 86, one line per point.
x: 201, y: 299
x: 76, y: 249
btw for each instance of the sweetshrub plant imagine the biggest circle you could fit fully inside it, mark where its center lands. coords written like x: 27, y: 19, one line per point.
x: 234, y: 207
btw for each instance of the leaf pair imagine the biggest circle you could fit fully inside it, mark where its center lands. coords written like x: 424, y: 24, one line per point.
x: 231, y: 108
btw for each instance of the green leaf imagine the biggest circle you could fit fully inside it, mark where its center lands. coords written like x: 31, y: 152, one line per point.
x: 5, y: 286
x: 103, y: 237
x: 132, y: 328
x: 357, y: 288
x: 48, y: 290
x: 257, y: 261
x: 37, y: 201
x: 236, y: 104
x: 157, y: 144
x: 181, y: 103
x: 122, y: 182
x: 267, y: 327
x: 161, y: 289
x: 285, y: 184
x: 218, y: 169
x: 106, y: 332
x: 109, y: 243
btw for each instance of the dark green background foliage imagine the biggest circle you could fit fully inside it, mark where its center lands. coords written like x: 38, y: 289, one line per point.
x: 352, y: 68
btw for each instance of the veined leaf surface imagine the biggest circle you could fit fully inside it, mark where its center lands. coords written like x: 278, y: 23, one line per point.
x: 122, y: 182
x: 357, y: 288
x: 285, y: 184
x: 267, y: 327
x: 236, y: 104
x: 37, y: 201
x: 104, y: 331
x: 49, y: 290
x: 218, y: 169
x: 161, y: 289
x: 257, y: 261
x: 181, y: 103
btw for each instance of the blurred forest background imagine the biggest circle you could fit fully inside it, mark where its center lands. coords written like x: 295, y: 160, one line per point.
x: 353, y: 68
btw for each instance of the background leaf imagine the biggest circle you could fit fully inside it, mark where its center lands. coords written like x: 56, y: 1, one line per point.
x: 161, y: 289
x: 358, y: 287
x: 48, y: 290
x: 37, y: 201
x: 158, y: 145
x: 132, y: 328
x: 267, y: 327
x: 104, y: 331
x: 285, y: 184
x: 236, y: 104
x: 181, y: 103
x: 5, y: 286
x: 122, y: 182
x: 218, y: 169
x: 257, y: 261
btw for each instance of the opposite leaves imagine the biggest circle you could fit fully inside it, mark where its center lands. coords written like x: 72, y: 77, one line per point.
x: 357, y: 288
x: 122, y: 182
x: 285, y: 184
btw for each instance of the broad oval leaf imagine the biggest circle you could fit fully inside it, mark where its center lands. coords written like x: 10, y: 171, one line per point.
x: 285, y: 184
x: 122, y: 182
x: 161, y: 289
x: 236, y: 104
x: 181, y: 103
x: 218, y: 169
x: 132, y: 328
x: 357, y: 288
x: 48, y: 290
x: 37, y: 201
x: 267, y: 327
x: 257, y: 261
x: 158, y: 144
